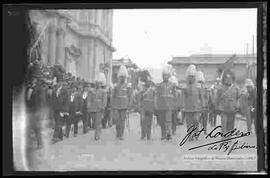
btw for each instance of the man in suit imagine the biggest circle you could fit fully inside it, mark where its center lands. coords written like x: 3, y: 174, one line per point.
x: 75, y: 109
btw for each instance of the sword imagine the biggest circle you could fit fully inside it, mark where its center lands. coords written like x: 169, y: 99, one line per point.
x: 128, y: 125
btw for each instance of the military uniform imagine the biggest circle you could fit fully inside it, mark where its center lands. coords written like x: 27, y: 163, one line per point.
x: 96, y: 102
x: 165, y: 105
x: 121, y: 101
x: 192, y: 100
x: 146, y: 108
x: 227, y: 103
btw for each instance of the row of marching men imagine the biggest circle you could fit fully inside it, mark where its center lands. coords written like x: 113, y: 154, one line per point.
x: 197, y: 103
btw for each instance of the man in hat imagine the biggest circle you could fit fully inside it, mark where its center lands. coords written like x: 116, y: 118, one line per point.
x: 60, y: 100
x: 205, y: 94
x: 121, y: 101
x: 192, y: 100
x: 85, y: 116
x: 228, y: 101
x: 165, y: 95
x: 146, y: 97
x: 248, y: 104
x: 75, y: 109
x: 107, y: 113
x: 96, y: 102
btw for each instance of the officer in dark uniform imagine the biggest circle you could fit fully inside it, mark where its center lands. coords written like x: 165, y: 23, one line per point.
x: 228, y: 101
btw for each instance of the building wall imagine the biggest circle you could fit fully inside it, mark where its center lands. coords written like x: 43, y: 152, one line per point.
x: 89, y: 31
x: 209, y: 70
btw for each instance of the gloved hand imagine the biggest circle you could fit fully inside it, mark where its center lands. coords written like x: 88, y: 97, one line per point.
x: 61, y: 114
x: 252, y: 109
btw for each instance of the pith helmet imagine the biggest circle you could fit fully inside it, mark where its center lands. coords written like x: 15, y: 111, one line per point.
x: 166, y: 70
x: 122, y: 71
x: 173, y: 80
x: 101, y: 78
x: 191, y: 70
x: 249, y: 82
x: 200, y: 77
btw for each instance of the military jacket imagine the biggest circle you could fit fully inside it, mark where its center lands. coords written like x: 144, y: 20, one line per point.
x: 192, y: 98
x: 121, y: 96
x: 165, y: 96
x: 227, y: 98
x: 147, y: 99
x: 96, y: 100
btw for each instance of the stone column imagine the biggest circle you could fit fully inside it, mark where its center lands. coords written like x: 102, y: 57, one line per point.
x: 51, y: 44
x: 60, y: 48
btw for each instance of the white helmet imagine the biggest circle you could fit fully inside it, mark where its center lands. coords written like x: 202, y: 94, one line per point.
x: 123, y: 71
x: 200, y: 77
x: 166, y: 70
x: 173, y: 80
x: 101, y: 78
x: 191, y: 70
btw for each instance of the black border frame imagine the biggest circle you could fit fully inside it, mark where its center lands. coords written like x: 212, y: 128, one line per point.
x: 13, y: 80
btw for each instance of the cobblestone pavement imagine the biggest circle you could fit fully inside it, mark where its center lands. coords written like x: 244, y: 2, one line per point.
x: 83, y: 153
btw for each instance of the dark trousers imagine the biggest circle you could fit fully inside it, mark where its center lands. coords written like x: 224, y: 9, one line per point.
x: 250, y: 116
x: 165, y: 122
x: 213, y: 118
x: 59, y: 122
x: 106, y: 120
x: 72, y: 119
x: 174, y: 121
x: 192, y: 119
x: 85, y: 121
x: 203, y: 119
x: 97, y: 116
x: 227, y: 121
x: 90, y: 120
x: 146, y: 124
x: 121, y: 115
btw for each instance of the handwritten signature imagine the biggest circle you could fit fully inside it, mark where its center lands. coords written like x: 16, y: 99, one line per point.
x: 223, y: 144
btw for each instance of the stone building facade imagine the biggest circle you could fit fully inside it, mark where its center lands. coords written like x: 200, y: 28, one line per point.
x: 79, y: 40
x: 209, y: 65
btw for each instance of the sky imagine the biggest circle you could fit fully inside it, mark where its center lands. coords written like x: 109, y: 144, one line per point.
x: 151, y: 37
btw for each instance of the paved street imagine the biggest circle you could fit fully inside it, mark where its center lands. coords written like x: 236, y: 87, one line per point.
x: 83, y: 153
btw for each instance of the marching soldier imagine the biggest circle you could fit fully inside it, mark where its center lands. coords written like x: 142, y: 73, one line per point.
x: 146, y: 107
x: 248, y: 104
x: 176, y: 108
x: 121, y: 101
x: 165, y: 104
x: 228, y: 101
x: 192, y: 100
x: 204, y: 114
x: 96, y: 102
x: 107, y: 113
x: 75, y: 109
